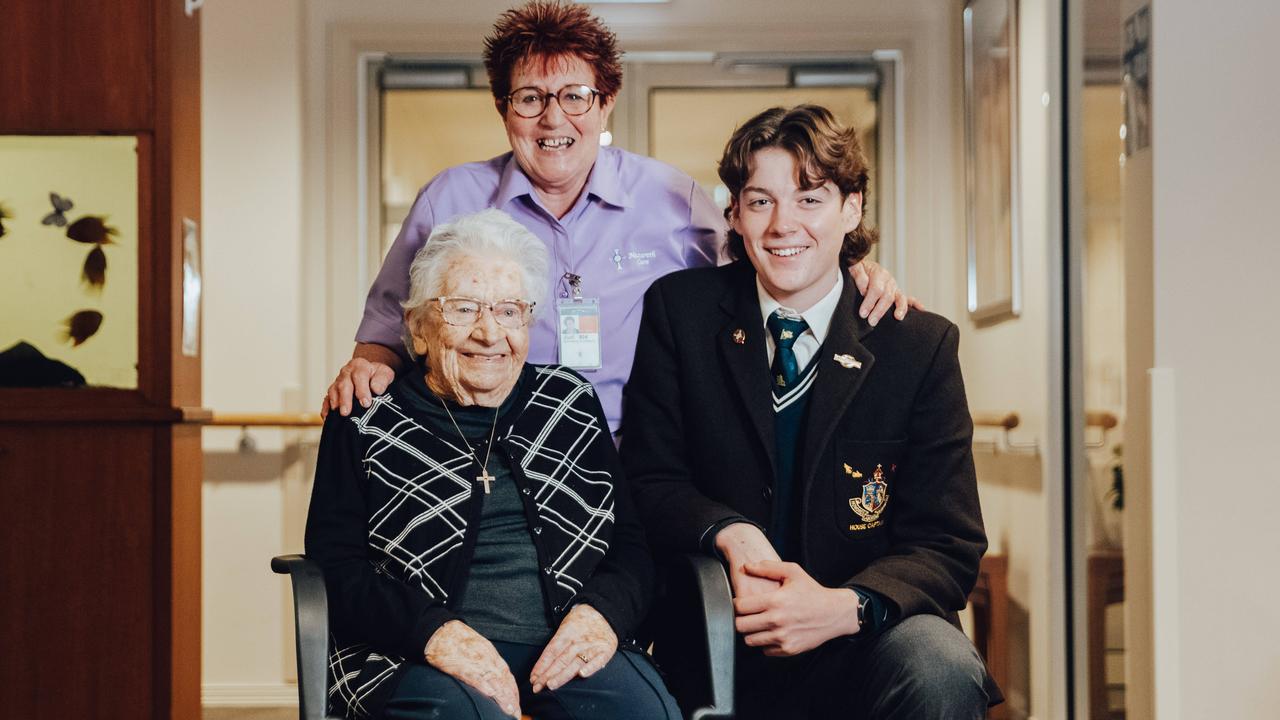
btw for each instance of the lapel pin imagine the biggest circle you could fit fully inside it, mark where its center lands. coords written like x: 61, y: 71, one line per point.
x: 739, y: 336
x: 847, y: 362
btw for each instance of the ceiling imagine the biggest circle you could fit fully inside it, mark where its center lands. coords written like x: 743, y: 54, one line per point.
x: 684, y: 24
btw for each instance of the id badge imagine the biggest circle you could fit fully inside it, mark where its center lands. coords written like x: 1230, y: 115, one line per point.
x: 578, y: 326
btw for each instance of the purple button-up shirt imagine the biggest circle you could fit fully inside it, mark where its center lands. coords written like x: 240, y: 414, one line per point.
x: 636, y: 220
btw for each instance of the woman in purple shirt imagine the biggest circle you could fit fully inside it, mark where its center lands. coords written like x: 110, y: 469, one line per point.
x: 613, y: 221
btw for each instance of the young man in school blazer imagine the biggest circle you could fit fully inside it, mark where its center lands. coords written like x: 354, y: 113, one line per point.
x: 828, y: 462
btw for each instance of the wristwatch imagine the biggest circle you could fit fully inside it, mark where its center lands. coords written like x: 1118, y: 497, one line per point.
x: 863, y: 601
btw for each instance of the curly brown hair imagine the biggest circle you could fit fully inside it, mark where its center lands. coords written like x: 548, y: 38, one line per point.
x: 548, y: 31
x: 824, y: 150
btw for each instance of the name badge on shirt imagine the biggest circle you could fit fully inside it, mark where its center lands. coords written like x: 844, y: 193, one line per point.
x: 578, y: 323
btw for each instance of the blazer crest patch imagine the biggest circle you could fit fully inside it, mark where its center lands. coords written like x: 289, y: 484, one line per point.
x: 875, y: 497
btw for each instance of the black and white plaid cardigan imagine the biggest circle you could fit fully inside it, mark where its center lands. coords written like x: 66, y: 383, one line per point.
x: 394, y: 511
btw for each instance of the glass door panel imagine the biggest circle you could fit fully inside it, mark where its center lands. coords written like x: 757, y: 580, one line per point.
x: 426, y: 131
x: 688, y: 127
x: 684, y: 112
x: 1099, y: 531
x: 1103, y: 287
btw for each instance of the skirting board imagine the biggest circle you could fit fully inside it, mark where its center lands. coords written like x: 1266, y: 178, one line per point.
x: 277, y: 695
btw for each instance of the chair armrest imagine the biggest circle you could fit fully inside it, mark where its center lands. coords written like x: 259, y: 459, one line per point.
x: 311, y: 623
x: 717, y: 609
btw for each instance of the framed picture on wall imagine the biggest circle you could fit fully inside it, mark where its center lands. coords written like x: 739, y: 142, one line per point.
x: 991, y: 128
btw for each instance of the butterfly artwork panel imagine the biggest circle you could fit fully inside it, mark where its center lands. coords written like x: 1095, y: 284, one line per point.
x: 69, y: 255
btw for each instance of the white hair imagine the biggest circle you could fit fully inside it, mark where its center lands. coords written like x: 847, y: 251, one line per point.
x: 488, y: 233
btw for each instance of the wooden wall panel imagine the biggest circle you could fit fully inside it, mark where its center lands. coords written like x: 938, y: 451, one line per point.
x: 73, y: 66
x: 76, y: 557
x: 100, y: 516
x: 176, y: 190
x: 178, y: 628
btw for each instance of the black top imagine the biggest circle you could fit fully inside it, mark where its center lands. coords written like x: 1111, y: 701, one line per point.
x: 396, y: 515
x: 502, y: 596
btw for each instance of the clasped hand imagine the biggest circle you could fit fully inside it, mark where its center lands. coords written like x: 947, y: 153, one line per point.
x: 798, y: 616
x: 778, y: 606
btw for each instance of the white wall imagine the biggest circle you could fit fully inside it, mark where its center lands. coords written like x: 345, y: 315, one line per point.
x: 1215, y: 259
x: 252, y: 187
x: 1006, y: 368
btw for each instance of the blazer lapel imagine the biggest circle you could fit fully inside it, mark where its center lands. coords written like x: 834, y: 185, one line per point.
x: 742, y: 346
x: 843, y: 364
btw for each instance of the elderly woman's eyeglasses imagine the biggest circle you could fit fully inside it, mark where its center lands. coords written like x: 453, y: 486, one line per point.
x: 465, y: 311
x: 530, y: 102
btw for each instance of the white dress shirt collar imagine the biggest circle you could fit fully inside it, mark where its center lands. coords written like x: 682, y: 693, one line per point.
x: 818, y: 317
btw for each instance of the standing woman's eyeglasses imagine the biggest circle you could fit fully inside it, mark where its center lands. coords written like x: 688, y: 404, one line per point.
x: 530, y: 102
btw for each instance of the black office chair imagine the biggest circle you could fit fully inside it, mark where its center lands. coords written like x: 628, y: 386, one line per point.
x: 311, y: 634
x: 311, y: 622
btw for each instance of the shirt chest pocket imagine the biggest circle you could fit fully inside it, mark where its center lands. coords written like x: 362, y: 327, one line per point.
x: 865, y: 481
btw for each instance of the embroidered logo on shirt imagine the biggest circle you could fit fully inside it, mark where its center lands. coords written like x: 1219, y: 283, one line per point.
x: 875, y: 496
x: 642, y: 259
x: 635, y: 259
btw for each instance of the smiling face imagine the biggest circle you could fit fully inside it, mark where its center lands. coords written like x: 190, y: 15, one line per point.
x: 476, y: 365
x: 556, y: 151
x: 792, y: 235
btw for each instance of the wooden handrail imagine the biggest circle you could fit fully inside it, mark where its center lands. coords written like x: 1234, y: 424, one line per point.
x: 265, y: 420
x: 1101, y: 418
x: 1008, y: 420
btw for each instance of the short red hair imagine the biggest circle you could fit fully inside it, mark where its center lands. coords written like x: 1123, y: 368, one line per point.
x: 549, y: 31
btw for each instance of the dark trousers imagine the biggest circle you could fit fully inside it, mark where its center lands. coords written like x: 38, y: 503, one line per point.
x: 628, y: 688
x: 922, y: 668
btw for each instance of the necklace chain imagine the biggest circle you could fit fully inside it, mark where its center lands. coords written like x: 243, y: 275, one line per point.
x: 484, y: 467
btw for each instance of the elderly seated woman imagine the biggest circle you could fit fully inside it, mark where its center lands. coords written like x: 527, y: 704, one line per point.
x: 477, y: 536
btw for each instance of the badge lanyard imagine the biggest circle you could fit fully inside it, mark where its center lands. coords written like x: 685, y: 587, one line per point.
x: 578, y: 327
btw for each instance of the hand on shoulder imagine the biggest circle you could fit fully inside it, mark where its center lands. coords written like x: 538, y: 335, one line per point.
x: 370, y: 371
x: 880, y: 292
